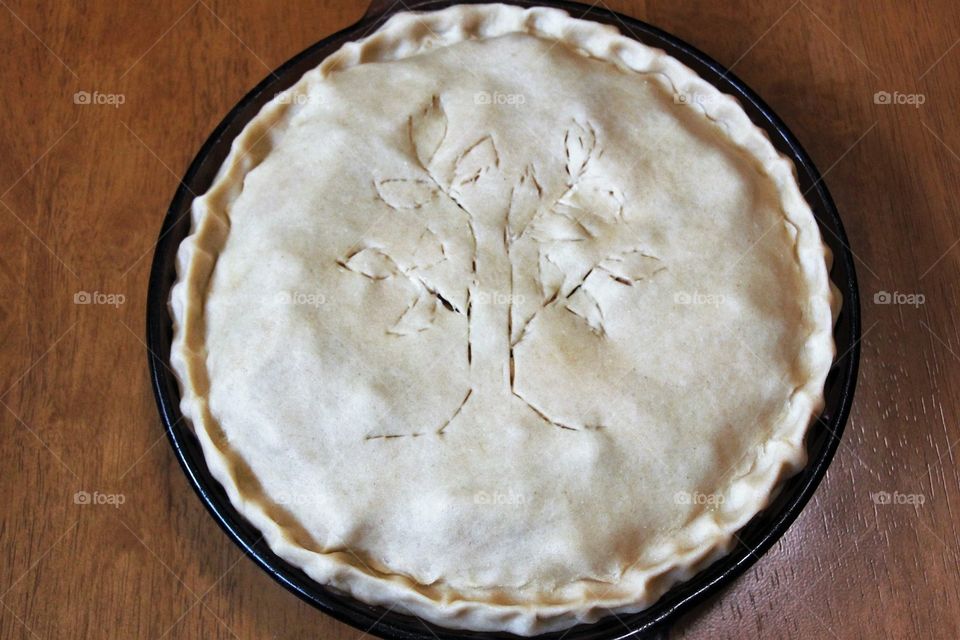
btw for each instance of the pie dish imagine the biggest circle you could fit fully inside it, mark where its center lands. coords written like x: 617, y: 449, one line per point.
x: 483, y: 351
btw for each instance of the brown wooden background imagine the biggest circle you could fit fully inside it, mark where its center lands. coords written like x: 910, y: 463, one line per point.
x: 84, y: 188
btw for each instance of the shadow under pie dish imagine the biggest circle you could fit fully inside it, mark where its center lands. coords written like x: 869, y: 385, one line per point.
x: 525, y: 343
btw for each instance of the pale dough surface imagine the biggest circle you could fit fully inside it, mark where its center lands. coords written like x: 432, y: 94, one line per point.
x: 482, y: 320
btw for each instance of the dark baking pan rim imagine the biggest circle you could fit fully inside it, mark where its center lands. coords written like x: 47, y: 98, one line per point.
x: 752, y: 541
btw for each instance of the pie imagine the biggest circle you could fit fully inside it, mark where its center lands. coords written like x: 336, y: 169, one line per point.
x: 502, y: 319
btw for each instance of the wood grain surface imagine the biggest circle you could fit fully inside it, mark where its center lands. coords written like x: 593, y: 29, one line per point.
x: 85, y: 186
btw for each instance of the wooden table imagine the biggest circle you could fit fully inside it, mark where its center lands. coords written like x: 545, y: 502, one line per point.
x: 106, y: 103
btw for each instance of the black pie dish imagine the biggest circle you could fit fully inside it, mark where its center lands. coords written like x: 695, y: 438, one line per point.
x: 753, y: 540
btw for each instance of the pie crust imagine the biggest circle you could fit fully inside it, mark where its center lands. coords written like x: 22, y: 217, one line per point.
x: 502, y: 319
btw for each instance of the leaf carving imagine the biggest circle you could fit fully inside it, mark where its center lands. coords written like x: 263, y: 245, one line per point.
x: 371, y: 262
x: 418, y: 317
x: 476, y: 160
x: 428, y: 251
x: 551, y: 278
x: 428, y: 128
x: 559, y: 226
x: 596, y: 198
x: 580, y: 142
x: 583, y: 305
x: 402, y: 193
x: 524, y: 203
x: 631, y: 266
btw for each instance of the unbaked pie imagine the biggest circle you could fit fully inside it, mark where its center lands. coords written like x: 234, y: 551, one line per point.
x: 502, y: 319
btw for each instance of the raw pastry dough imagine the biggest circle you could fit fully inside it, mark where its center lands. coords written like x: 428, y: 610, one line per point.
x: 502, y: 319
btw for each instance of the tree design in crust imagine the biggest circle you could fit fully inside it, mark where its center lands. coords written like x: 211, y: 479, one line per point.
x: 531, y: 227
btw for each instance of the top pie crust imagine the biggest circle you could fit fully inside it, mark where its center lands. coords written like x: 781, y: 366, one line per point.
x: 502, y: 319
